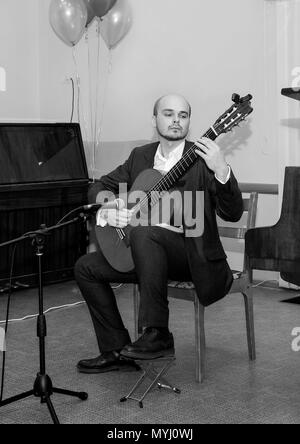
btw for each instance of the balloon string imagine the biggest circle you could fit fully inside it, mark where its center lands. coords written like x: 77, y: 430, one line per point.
x: 91, y: 104
x: 77, y: 83
x: 109, y: 70
x: 97, y: 97
x: 110, y: 62
x: 84, y: 126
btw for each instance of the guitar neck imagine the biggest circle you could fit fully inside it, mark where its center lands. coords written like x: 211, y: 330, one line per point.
x: 178, y: 170
x: 181, y: 167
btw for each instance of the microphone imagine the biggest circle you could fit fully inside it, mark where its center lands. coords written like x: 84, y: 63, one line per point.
x: 114, y: 205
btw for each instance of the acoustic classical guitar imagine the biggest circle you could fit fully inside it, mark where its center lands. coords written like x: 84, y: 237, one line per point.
x: 152, y: 186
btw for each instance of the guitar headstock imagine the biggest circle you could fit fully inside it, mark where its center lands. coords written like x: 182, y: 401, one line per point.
x: 234, y: 115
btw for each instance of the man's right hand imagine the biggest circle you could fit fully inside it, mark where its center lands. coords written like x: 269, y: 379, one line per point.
x: 118, y: 218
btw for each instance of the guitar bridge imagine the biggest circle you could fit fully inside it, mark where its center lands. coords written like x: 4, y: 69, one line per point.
x: 121, y: 234
x: 123, y: 237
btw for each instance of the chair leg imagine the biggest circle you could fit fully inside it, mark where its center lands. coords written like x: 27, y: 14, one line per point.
x: 250, y: 274
x: 248, y: 298
x: 136, y: 303
x: 199, y: 339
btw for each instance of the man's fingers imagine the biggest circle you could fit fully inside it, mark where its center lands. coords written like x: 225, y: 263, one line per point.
x: 201, y: 146
x: 124, y: 217
x: 121, y: 213
x: 207, y: 140
x: 201, y: 154
x: 119, y: 219
x: 210, y: 144
x: 120, y: 203
x: 125, y: 213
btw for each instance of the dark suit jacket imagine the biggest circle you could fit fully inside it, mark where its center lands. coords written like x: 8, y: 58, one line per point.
x: 209, y: 269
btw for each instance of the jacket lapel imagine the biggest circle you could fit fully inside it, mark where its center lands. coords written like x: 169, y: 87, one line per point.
x: 188, y: 145
x: 149, y: 155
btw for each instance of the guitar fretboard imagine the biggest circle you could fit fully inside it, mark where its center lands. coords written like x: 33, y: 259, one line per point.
x: 178, y: 170
x: 169, y: 180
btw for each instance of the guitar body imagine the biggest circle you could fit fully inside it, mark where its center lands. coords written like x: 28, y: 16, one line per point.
x: 116, y: 250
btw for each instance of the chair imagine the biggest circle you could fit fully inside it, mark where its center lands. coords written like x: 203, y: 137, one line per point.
x: 277, y: 248
x: 241, y: 284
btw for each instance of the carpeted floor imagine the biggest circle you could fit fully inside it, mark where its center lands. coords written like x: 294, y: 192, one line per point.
x: 234, y: 391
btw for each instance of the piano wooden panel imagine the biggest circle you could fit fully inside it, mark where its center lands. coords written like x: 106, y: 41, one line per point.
x: 20, y: 213
x: 277, y: 248
x: 25, y: 206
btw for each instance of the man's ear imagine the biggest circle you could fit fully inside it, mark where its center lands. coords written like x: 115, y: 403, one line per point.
x: 154, y: 121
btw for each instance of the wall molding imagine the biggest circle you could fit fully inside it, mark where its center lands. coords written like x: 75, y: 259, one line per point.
x: 2, y: 79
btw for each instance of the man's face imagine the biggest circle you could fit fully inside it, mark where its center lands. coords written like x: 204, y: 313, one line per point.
x: 173, y: 118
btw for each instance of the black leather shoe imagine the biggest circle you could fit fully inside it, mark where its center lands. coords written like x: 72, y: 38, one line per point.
x: 151, y: 345
x: 106, y: 362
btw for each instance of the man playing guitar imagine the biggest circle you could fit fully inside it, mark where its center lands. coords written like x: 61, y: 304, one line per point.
x: 162, y: 251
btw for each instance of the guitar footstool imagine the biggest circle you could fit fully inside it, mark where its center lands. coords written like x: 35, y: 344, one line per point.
x: 153, y: 370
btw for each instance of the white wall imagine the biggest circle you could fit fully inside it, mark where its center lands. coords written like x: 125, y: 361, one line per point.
x: 19, y: 58
x: 205, y: 50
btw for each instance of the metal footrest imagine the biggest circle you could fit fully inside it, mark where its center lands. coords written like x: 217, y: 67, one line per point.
x: 154, y: 370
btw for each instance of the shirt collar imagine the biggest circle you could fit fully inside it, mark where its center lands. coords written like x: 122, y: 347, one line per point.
x: 177, y: 152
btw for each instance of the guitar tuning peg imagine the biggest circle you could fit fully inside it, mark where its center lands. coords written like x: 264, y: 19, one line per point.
x: 236, y: 98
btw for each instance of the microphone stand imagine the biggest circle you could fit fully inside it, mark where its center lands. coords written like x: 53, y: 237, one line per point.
x: 43, y: 387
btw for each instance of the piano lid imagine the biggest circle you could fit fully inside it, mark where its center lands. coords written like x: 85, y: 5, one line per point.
x: 35, y: 153
x: 292, y: 93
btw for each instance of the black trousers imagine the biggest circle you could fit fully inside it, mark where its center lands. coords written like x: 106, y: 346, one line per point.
x: 159, y: 254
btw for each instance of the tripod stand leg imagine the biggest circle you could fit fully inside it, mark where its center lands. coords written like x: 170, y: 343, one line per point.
x: 16, y: 398
x: 51, y: 410
x: 81, y: 395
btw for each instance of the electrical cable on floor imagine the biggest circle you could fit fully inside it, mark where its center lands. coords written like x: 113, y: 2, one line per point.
x: 45, y: 312
x: 264, y: 282
x: 60, y: 307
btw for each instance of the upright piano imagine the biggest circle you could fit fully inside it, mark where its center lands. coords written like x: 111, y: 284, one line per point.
x: 43, y: 176
x: 277, y: 248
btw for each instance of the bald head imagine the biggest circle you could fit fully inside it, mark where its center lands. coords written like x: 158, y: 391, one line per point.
x: 171, y: 117
x: 168, y: 100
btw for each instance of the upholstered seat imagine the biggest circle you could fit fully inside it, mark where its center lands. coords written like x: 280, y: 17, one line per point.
x: 190, y: 285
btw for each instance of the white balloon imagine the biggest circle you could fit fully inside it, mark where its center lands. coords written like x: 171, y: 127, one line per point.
x: 68, y: 19
x: 116, y: 24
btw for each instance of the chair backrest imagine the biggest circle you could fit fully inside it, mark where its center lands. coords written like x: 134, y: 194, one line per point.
x: 250, y: 206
